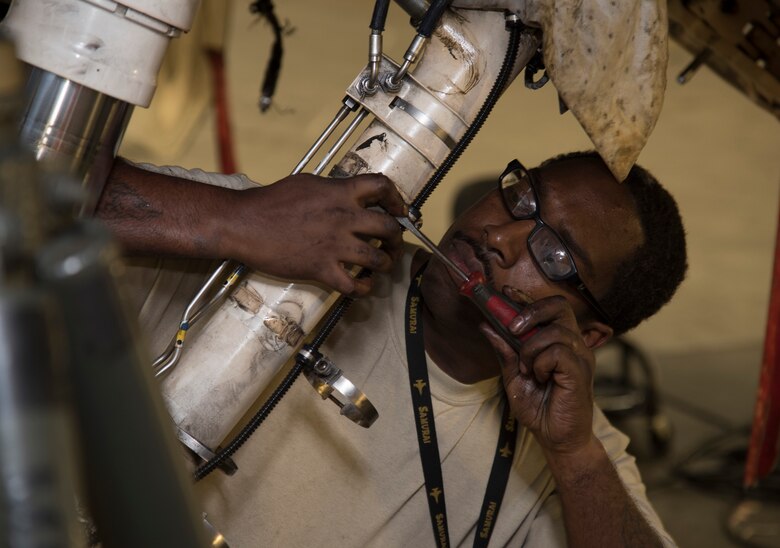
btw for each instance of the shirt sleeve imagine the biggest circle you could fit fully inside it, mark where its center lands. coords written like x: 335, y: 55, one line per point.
x: 615, y: 443
x: 548, y: 528
x: 234, y: 181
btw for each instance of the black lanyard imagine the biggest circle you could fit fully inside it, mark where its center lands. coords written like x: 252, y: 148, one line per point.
x: 426, y: 435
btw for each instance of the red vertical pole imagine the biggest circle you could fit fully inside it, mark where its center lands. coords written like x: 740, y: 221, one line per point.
x: 763, y: 448
x: 224, y: 132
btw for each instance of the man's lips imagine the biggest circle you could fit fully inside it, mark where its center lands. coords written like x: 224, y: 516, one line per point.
x: 464, y: 252
x: 470, y: 257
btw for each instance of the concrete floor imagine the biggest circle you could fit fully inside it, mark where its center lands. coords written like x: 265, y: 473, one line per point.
x: 715, y: 150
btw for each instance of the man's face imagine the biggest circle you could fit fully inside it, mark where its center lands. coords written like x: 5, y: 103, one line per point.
x: 579, y: 199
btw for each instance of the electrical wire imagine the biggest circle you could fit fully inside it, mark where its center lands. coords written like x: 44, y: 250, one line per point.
x: 265, y: 8
x: 718, y: 466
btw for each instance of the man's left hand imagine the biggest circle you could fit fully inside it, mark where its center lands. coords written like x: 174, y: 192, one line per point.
x: 549, y: 383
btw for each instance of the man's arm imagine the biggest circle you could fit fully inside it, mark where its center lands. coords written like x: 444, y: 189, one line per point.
x: 302, y: 227
x: 597, y: 509
x: 549, y: 385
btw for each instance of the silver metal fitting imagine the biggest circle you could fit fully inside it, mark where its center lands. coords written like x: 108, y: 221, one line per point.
x: 389, y: 83
x: 511, y: 20
x: 324, y: 367
x: 415, y: 216
x: 307, y: 356
x: 392, y: 83
x: 365, y: 87
x: 374, y: 59
x: 350, y: 103
x: 375, y: 47
x: 415, y: 48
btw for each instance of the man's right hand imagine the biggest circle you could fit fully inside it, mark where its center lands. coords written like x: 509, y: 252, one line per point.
x: 311, y: 228
x: 303, y: 227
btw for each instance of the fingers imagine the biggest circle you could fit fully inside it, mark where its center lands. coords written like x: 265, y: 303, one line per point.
x: 364, y: 254
x: 376, y: 189
x: 560, y: 361
x: 321, y: 225
x: 338, y: 278
x: 552, y: 343
x: 384, y: 228
x: 378, y: 225
x: 523, y: 389
x: 510, y: 363
x: 555, y: 348
x: 555, y: 309
x: 361, y: 287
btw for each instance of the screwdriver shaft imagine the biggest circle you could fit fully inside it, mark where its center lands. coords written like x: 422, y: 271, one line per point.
x: 409, y: 225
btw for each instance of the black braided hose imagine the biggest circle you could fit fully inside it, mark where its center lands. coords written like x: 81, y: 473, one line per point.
x: 515, y: 28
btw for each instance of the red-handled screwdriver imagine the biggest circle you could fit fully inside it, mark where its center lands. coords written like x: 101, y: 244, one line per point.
x: 497, y: 308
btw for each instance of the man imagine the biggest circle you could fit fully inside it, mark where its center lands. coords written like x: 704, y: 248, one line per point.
x: 310, y: 478
x: 302, y: 227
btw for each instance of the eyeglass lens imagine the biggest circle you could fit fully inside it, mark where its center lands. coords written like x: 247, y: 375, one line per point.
x: 518, y: 194
x: 550, y: 253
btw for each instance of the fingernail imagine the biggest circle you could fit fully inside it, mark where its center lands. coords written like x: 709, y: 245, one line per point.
x: 518, y: 323
x: 517, y: 295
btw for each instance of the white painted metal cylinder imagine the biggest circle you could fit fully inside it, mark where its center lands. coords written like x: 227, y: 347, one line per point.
x: 112, y: 48
x: 233, y: 355
x: 176, y: 13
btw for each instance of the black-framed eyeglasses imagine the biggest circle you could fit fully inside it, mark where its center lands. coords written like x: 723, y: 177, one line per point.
x: 517, y: 186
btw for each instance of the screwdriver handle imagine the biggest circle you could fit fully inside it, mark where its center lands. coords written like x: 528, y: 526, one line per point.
x: 499, y: 310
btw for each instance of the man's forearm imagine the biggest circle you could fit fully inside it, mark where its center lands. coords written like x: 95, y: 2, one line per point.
x: 597, y: 509
x: 157, y: 214
x: 303, y: 227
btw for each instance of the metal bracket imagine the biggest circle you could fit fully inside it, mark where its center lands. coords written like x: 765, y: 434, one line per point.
x: 330, y: 383
x: 428, y: 125
x: 227, y: 466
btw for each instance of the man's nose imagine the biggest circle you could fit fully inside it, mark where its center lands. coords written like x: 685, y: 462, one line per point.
x: 507, y: 240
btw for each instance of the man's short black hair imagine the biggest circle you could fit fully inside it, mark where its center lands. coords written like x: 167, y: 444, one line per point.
x: 646, y: 280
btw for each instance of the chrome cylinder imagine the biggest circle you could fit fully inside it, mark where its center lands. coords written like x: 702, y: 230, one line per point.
x: 74, y: 128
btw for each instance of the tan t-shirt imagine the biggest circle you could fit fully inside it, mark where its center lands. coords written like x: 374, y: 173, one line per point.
x: 310, y: 477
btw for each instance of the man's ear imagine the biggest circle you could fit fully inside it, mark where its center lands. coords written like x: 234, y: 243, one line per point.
x: 595, y: 333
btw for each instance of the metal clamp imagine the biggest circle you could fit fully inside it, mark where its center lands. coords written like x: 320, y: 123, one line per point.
x: 330, y: 383
x: 424, y: 120
x: 228, y: 466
